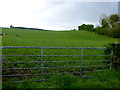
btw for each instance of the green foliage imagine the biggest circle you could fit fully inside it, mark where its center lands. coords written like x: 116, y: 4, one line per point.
x: 114, y: 18
x: 104, y: 23
x: 86, y: 27
x: 111, y: 32
x: 108, y: 21
x: 115, y: 32
x: 113, y: 49
x: 101, y: 31
x: 110, y: 26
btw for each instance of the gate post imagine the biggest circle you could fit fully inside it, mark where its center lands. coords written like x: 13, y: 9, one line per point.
x: 42, y: 62
x: 81, y: 59
x: 111, y: 60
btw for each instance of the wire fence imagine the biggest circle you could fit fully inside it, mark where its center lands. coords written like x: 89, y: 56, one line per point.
x: 42, y: 66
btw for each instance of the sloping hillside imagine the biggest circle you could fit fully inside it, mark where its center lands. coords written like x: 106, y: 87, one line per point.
x: 22, y: 37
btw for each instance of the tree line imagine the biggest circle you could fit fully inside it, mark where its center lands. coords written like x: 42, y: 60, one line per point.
x: 110, y: 26
x: 25, y: 28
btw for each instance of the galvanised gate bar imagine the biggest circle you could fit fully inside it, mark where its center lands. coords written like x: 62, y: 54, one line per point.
x: 41, y: 62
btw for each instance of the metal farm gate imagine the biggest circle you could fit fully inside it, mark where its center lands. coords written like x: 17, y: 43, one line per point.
x: 41, y: 62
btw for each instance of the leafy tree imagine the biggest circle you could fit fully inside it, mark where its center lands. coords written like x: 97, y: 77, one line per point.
x: 104, y: 23
x: 110, y: 26
x: 114, y: 18
x: 108, y: 21
x: 87, y: 27
x: 82, y: 27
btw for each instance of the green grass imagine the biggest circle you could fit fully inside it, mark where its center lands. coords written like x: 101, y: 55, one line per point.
x: 55, y: 39
x: 104, y: 79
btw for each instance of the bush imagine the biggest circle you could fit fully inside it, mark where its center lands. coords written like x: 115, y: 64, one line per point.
x: 111, y: 32
x: 113, y: 49
x: 115, y: 33
x: 86, y: 27
x: 102, y: 31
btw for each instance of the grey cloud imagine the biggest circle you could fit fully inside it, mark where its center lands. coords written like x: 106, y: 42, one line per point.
x: 70, y: 14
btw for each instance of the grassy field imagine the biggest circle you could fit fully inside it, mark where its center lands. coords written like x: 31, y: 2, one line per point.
x: 56, y: 39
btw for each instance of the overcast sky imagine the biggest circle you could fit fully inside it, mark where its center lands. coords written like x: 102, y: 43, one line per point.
x: 53, y: 15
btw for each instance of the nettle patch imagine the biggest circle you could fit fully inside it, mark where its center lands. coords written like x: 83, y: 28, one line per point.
x: 113, y: 52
